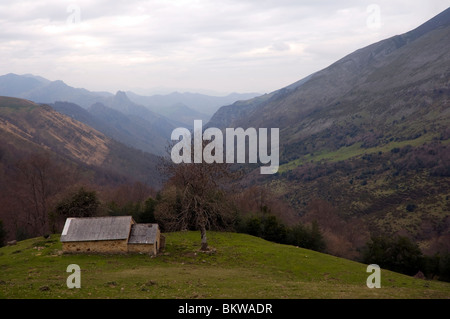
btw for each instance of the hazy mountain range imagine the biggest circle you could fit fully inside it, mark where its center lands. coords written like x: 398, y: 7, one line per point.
x: 40, y: 90
x: 143, y: 122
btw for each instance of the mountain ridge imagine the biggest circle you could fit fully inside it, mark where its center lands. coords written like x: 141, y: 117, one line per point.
x: 162, y: 115
x: 41, y: 90
x: 368, y: 134
x: 27, y: 127
x: 325, y: 85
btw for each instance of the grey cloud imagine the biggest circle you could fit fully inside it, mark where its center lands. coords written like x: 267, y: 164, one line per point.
x: 229, y: 42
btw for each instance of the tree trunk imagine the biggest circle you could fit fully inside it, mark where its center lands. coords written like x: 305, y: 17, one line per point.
x: 204, y: 240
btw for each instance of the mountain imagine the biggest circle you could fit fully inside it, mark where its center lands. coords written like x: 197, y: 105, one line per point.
x: 401, y: 61
x: 124, y: 121
x: 122, y: 103
x: 37, y: 77
x: 132, y: 129
x: 182, y: 114
x: 147, y: 128
x: 141, y: 128
x: 127, y: 129
x: 369, y: 133
x: 395, y: 80
x: 15, y: 85
x: 40, y: 90
x: 204, y: 104
x: 29, y: 128
x: 79, y: 114
x: 229, y: 114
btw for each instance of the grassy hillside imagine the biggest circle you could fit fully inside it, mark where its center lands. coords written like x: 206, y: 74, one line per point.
x: 241, y: 267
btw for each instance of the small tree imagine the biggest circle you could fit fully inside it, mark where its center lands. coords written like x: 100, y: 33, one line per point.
x: 317, y: 240
x: 273, y: 230
x: 194, y: 197
x: 252, y: 226
x: 398, y: 254
x: 82, y: 203
x: 147, y: 212
x: 309, y: 237
x: 38, y: 180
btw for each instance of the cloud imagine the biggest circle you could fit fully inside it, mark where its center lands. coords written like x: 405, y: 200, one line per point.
x: 226, y: 45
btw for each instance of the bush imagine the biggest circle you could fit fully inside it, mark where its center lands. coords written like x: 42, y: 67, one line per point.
x: 438, y: 266
x: 398, y: 254
x: 271, y: 229
x: 444, y: 268
x: 252, y: 226
x: 267, y: 227
x: 82, y: 203
x: 147, y: 213
x: 309, y: 237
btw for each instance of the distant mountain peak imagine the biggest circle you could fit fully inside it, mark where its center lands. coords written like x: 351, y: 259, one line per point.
x: 121, y: 93
x: 36, y: 77
x: 58, y: 83
x: 122, y: 97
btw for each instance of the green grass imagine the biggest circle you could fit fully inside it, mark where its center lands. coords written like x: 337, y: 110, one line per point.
x: 354, y: 150
x: 241, y: 267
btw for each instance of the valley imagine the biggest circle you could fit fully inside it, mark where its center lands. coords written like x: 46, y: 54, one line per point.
x: 363, y: 160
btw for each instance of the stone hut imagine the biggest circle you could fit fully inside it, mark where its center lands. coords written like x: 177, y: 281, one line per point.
x: 144, y: 238
x: 112, y: 234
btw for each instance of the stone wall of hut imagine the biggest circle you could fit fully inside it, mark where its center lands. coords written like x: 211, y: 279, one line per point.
x: 99, y: 246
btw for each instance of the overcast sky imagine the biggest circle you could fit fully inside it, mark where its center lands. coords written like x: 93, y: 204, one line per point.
x: 193, y: 45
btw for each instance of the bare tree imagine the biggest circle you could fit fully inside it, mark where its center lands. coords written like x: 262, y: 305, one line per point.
x: 195, y: 197
x: 38, y: 180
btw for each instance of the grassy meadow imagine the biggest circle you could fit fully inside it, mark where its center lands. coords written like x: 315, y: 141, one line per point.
x: 239, y: 267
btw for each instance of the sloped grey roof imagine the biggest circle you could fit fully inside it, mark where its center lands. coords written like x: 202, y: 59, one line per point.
x: 143, y: 234
x: 96, y: 228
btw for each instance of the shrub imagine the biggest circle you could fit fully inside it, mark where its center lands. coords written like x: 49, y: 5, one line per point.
x: 444, y: 268
x: 252, y: 226
x: 82, y: 203
x: 273, y: 230
x: 398, y: 254
x: 309, y: 237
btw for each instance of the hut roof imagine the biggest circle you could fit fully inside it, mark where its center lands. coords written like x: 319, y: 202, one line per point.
x: 96, y: 228
x: 143, y: 234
